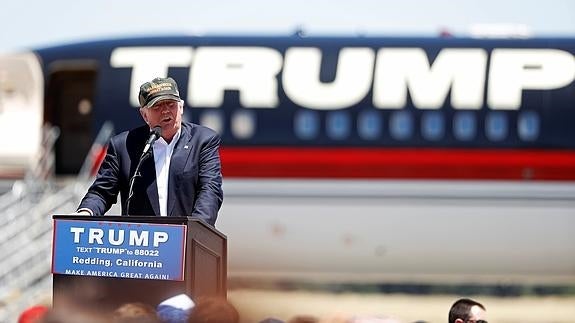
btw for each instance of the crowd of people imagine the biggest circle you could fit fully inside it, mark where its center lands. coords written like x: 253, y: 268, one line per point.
x: 182, y: 309
x: 177, y: 309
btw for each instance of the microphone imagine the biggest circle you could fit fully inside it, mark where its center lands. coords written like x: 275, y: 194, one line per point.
x: 155, y: 133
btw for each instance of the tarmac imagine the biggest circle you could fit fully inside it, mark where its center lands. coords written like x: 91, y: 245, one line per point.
x: 256, y: 305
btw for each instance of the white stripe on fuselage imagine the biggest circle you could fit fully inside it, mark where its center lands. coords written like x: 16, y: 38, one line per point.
x: 411, y: 231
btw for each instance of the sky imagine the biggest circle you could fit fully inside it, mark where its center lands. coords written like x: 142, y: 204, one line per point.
x: 31, y: 23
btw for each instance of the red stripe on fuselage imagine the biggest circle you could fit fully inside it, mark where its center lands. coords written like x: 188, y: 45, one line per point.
x: 364, y: 163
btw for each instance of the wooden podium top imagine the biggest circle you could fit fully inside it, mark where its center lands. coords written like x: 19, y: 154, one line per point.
x: 188, y: 220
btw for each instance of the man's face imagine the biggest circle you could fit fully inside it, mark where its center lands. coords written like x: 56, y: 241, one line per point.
x: 477, y: 314
x: 166, y: 114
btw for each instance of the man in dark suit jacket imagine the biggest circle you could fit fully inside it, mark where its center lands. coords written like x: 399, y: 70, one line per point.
x: 181, y: 177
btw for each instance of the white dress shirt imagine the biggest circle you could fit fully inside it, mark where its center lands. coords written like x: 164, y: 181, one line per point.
x: 162, y: 156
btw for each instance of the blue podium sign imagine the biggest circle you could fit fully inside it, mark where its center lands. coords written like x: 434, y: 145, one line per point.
x: 119, y: 249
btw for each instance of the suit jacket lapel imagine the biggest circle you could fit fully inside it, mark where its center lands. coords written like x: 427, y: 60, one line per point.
x: 177, y: 165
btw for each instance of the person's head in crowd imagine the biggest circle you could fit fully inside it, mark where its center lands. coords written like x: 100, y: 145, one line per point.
x: 160, y: 105
x: 65, y: 314
x: 304, y: 319
x: 135, y: 313
x: 213, y: 310
x: 271, y: 320
x: 374, y: 319
x: 466, y: 310
x: 33, y: 314
x: 175, y: 309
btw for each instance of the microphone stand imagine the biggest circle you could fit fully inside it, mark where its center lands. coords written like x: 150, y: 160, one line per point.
x: 155, y: 133
x: 133, y: 179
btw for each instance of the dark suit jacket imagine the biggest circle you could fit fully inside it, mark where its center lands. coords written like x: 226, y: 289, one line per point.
x: 194, y: 182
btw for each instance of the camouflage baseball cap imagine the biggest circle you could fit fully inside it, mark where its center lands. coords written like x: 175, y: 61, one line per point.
x: 158, y: 89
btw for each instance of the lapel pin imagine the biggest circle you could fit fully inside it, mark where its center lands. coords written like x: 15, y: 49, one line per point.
x: 186, y: 147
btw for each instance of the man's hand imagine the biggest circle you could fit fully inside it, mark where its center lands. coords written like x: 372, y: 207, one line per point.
x: 85, y: 212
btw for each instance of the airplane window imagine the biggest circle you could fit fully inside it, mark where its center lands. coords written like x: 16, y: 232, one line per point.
x: 528, y: 126
x: 401, y: 125
x: 84, y: 106
x: 213, y: 120
x: 338, y: 125
x: 243, y: 124
x: 306, y: 124
x: 496, y: 126
x: 369, y: 124
x: 432, y: 125
x: 464, y: 125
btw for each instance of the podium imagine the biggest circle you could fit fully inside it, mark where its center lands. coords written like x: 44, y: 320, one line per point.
x: 203, y: 262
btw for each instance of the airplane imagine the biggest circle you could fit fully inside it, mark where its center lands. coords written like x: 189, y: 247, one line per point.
x: 345, y: 159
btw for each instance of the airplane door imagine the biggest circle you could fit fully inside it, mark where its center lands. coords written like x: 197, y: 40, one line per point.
x: 21, y: 104
x: 69, y: 106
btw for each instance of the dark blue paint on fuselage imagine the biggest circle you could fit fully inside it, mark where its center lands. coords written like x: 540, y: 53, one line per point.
x: 274, y: 127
